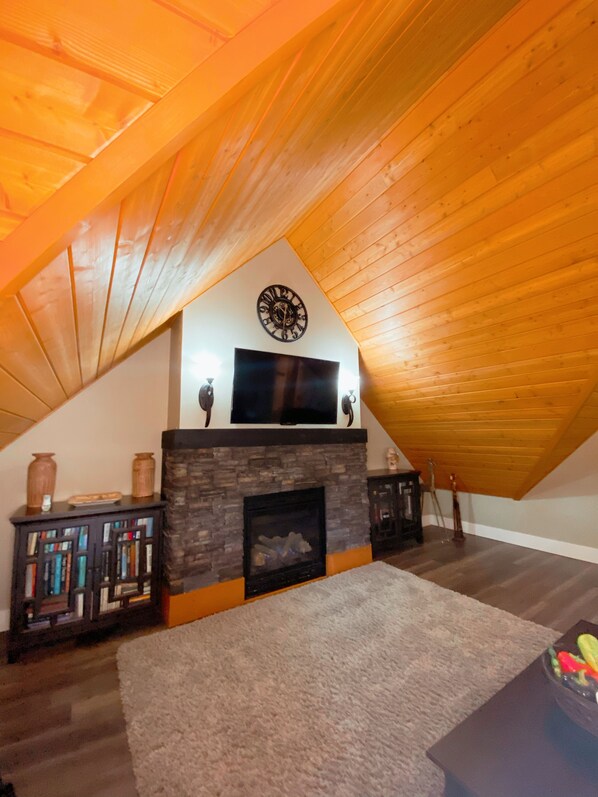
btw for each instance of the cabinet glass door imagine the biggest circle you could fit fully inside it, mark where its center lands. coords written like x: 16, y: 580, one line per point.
x: 126, y: 564
x: 407, y: 498
x: 56, y: 576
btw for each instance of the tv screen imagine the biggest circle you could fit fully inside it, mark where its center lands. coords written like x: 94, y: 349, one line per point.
x: 282, y: 388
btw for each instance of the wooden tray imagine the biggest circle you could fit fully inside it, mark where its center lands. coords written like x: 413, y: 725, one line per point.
x: 95, y: 498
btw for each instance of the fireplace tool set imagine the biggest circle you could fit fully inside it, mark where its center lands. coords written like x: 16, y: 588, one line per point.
x: 457, y: 526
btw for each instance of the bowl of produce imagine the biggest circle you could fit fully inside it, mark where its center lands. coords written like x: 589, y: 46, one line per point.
x: 572, y: 674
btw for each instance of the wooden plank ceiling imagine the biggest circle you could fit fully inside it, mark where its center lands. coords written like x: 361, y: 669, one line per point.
x: 433, y: 163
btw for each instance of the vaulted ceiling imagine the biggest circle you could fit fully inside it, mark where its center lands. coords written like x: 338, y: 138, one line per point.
x: 433, y: 163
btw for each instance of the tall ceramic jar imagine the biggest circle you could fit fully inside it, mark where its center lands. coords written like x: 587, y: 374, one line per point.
x: 144, y: 469
x: 41, y: 479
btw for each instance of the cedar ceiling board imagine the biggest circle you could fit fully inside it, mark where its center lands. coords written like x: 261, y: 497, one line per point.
x: 564, y: 270
x: 137, y: 218
x: 402, y: 389
x: 6, y: 438
x: 16, y: 399
x: 401, y: 277
x: 374, y: 261
x: 30, y: 173
x: 440, y: 268
x: 470, y: 269
x: 48, y: 297
x: 138, y: 44
x: 92, y: 258
x: 13, y: 424
x: 527, y: 212
x: 8, y: 223
x: 579, y: 348
x: 61, y: 106
x: 22, y: 356
x: 165, y: 127
x: 470, y: 333
x: 479, y: 194
x: 396, y: 399
x: 227, y: 17
x: 483, y: 70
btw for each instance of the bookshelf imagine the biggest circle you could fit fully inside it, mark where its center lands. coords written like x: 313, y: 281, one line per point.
x: 81, y: 569
x: 395, y: 508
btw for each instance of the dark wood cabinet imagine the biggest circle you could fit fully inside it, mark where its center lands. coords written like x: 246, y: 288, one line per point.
x: 395, y: 508
x: 80, y: 569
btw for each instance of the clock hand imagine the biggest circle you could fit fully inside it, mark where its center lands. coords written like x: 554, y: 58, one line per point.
x: 284, y: 321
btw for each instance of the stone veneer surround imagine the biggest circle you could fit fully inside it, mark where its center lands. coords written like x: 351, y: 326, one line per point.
x: 206, y: 475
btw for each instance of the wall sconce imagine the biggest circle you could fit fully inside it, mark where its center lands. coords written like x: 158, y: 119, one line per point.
x: 347, y: 402
x: 206, y: 398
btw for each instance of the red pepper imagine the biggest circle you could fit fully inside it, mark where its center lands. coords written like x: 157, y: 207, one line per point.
x: 571, y: 664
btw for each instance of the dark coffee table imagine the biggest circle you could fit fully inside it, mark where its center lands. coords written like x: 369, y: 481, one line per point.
x: 520, y: 743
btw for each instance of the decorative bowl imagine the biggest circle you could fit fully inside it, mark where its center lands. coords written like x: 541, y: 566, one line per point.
x: 579, y: 709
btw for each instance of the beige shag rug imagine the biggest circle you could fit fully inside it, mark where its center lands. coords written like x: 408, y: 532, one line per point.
x: 334, y: 689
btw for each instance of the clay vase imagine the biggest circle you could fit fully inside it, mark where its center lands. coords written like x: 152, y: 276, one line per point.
x: 144, y: 469
x: 41, y: 479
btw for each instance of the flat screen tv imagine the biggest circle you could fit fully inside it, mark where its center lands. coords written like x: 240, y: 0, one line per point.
x: 283, y: 388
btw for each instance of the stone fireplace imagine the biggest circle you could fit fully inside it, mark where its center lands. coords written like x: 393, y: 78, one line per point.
x: 208, y: 474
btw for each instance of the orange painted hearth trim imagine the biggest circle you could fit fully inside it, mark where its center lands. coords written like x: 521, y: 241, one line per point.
x: 189, y: 606
x: 345, y: 560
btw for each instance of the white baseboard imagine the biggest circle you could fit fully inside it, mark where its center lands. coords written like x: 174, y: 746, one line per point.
x: 4, y: 619
x: 559, y: 547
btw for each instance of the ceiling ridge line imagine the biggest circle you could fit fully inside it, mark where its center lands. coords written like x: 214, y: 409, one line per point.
x: 534, y: 476
x: 110, y: 284
x: 55, y: 148
x: 24, y: 386
x: 34, y: 330
x: 150, y: 239
x: 61, y: 57
x: 73, y: 286
x: 205, y: 26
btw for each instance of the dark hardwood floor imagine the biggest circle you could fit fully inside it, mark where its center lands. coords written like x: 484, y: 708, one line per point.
x: 62, y: 732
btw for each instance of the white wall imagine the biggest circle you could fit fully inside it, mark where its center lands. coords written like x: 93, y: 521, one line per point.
x: 94, y: 437
x: 225, y: 317
x: 559, y: 515
x: 379, y: 442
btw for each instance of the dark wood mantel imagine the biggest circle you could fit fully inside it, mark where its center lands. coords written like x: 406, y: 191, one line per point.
x: 174, y: 439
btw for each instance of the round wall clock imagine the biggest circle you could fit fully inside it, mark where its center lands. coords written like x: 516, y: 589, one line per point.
x: 282, y: 313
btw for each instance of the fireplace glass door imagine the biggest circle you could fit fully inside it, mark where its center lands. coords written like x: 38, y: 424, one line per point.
x: 285, y: 539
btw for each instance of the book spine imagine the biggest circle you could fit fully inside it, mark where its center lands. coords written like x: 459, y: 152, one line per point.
x: 57, y: 573
x: 82, y: 566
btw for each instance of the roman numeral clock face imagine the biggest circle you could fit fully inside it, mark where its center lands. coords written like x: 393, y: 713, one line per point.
x: 282, y: 313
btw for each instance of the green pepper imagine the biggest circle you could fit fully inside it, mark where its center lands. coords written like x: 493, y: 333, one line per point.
x: 555, y: 663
